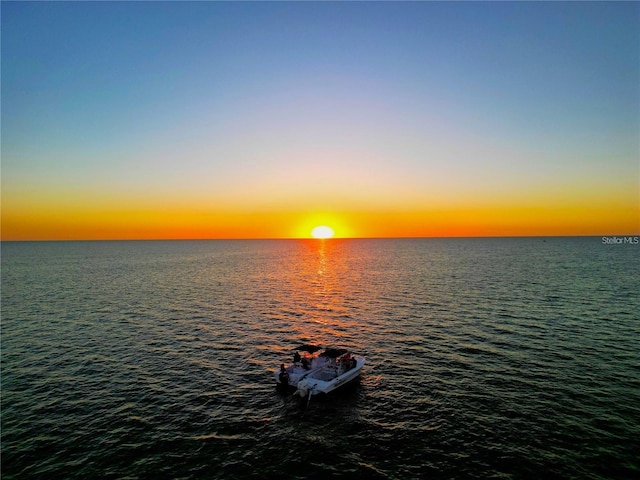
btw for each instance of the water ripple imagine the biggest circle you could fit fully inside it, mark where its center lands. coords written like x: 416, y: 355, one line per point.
x: 487, y: 358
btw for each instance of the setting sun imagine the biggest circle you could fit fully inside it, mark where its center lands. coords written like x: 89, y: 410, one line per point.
x: 322, y: 232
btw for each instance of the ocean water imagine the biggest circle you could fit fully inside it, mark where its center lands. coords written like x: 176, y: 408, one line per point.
x: 486, y: 358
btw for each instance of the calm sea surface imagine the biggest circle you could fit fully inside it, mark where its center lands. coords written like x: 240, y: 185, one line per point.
x: 486, y: 358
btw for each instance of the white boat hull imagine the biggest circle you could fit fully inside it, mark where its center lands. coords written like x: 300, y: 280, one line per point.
x: 324, y: 380
x: 295, y: 374
x: 296, y: 371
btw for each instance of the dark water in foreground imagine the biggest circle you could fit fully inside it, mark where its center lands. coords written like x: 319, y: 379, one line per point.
x: 487, y: 358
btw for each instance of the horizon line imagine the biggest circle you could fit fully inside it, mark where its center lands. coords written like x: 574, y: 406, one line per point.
x: 435, y: 237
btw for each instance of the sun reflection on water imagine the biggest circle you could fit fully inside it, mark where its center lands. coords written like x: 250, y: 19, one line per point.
x: 311, y: 294
x: 318, y: 278
x: 322, y: 262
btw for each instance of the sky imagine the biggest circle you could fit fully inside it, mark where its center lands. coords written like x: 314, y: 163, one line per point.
x: 140, y: 120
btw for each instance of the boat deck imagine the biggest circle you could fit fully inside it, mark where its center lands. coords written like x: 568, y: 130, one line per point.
x: 325, y: 374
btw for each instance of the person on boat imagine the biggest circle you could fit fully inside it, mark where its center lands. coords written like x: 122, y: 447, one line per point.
x: 305, y: 363
x: 284, y: 376
x: 345, y: 362
x: 296, y: 357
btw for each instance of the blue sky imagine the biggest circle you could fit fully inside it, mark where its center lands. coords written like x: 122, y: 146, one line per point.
x: 424, y: 102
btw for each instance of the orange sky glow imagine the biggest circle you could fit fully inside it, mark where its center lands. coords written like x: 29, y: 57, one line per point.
x: 217, y: 120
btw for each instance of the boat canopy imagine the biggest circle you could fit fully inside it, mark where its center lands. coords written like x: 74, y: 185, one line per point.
x: 308, y: 348
x: 333, y: 352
